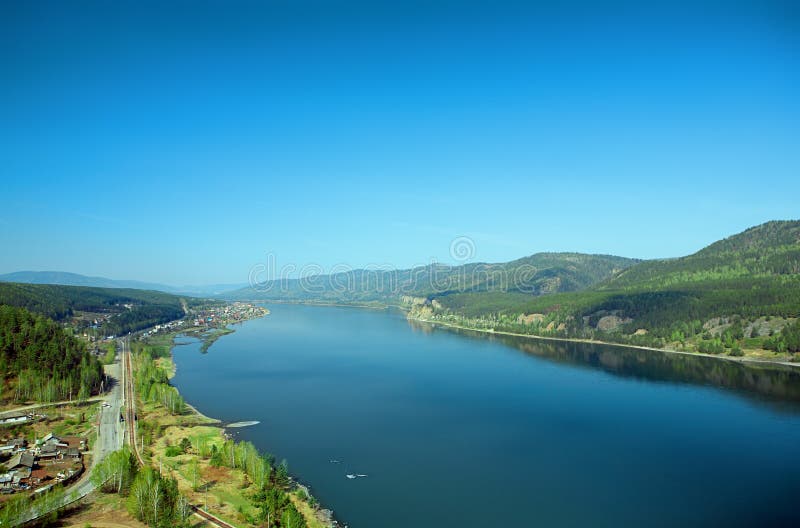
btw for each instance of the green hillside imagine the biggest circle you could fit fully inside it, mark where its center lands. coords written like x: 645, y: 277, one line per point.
x: 39, y: 361
x: 128, y: 309
x: 742, y: 292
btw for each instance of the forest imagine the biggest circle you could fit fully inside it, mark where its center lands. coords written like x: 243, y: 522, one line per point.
x: 41, y: 362
x: 130, y: 309
x: 742, y: 281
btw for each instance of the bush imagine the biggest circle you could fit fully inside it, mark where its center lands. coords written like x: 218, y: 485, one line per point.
x: 174, y: 451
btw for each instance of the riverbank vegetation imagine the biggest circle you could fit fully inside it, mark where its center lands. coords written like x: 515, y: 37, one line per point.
x: 739, y: 296
x: 229, y: 479
x: 152, y: 498
x: 152, y: 379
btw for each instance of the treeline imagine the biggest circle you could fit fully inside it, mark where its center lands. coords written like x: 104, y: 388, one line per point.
x: 19, y: 508
x: 748, y: 276
x: 45, y: 363
x: 152, y: 498
x: 131, y: 310
x: 141, y: 317
x: 60, y: 302
x: 788, y: 340
x: 271, y: 483
x: 152, y: 382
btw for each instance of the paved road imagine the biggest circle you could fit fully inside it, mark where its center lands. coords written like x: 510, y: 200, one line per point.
x: 110, y: 434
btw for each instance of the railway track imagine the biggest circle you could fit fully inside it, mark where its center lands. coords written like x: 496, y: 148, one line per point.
x: 130, y: 420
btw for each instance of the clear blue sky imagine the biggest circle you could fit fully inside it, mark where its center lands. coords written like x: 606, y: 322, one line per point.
x: 183, y: 142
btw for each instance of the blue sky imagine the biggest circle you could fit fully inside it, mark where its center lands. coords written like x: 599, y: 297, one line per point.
x: 184, y: 142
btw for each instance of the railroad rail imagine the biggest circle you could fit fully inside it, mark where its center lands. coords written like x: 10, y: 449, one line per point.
x: 130, y: 419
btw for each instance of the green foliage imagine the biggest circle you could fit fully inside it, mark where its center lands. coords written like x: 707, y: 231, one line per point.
x: 155, y: 500
x: 110, y: 355
x: 152, y: 384
x: 132, y: 309
x: 18, y: 507
x: 751, y: 275
x: 116, y: 473
x: 173, y: 451
x: 48, y: 364
x: 272, y: 485
x: 788, y: 340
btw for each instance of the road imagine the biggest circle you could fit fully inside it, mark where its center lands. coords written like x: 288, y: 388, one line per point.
x: 110, y: 435
x: 35, y: 406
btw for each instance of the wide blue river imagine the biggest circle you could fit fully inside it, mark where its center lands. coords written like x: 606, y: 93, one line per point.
x: 460, y: 430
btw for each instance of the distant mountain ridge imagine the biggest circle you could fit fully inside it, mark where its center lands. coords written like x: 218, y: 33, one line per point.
x: 538, y: 274
x: 64, y: 278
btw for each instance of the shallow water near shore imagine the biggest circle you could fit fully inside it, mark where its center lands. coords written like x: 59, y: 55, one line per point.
x: 457, y: 429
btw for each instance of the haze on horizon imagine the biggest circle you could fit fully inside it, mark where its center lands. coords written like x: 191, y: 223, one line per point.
x: 183, y: 143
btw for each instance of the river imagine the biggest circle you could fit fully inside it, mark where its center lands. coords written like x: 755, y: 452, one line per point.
x: 455, y: 429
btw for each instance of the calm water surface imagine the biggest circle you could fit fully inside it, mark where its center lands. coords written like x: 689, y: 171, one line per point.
x: 465, y: 431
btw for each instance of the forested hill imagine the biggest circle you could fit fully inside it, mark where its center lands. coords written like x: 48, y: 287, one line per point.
x: 39, y: 361
x: 127, y: 310
x: 538, y: 274
x: 767, y: 250
x: 742, y: 292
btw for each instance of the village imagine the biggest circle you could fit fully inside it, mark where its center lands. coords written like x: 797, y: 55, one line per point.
x: 38, y: 466
x: 211, y: 317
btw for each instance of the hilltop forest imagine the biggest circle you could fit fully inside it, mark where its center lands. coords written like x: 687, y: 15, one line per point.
x: 739, y: 293
x: 40, y: 361
x: 128, y: 310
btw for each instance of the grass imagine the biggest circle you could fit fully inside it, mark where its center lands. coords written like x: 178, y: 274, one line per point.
x: 225, y: 490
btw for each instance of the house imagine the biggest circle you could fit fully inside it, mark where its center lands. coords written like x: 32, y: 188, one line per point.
x: 14, y: 418
x: 24, y: 459
x: 48, y: 451
x: 73, y: 453
x: 19, y: 443
x: 50, y: 438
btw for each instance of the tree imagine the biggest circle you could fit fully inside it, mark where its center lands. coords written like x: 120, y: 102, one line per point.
x: 116, y: 472
x: 154, y: 499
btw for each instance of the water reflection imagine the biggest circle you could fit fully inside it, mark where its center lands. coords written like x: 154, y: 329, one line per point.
x: 778, y: 384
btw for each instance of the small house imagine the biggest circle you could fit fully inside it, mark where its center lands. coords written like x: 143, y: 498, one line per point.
x: 48, y: 451
x: 24, y: 459
x: 14, y: 418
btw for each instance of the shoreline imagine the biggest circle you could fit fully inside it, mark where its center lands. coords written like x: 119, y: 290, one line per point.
x: 744, y: 360
x: 330, y: 304
x: 321, y: 514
